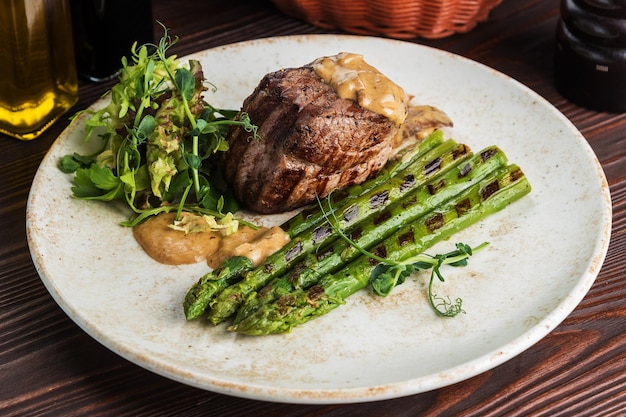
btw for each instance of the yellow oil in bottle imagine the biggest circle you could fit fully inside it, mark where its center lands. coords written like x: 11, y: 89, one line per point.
x: 38, y: 82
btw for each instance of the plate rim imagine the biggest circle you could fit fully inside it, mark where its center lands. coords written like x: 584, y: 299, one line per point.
x: 383, y: 391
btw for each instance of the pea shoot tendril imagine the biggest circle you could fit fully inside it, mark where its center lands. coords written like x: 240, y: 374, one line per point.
x: 389, y: 273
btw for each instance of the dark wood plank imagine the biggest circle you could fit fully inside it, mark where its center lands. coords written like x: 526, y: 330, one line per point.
x: 49, y: 366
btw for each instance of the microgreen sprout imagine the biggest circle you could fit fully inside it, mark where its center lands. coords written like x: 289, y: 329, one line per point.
x: 389, y: 273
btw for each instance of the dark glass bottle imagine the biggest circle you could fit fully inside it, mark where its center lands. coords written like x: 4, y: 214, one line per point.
x: 590, y: 57
x: 104, y: 31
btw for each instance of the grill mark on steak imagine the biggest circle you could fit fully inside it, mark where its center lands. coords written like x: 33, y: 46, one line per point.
x: 312, y: 142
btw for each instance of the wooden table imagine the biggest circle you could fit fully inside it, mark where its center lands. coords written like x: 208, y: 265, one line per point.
x: 49, y: 366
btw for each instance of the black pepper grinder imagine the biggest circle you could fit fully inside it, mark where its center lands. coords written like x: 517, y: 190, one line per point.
x: 590, y: 57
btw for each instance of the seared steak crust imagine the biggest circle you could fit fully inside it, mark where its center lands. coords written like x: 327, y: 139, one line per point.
x: 312, y: 141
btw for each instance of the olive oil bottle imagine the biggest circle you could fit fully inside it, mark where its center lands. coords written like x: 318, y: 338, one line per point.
x: 38, y: 82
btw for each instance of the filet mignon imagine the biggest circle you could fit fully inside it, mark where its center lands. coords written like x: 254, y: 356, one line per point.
x: 312, y: 141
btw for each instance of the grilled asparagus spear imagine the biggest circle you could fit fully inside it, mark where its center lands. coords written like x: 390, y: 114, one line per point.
x: 415, y: 171
x: 230, y: 299
x: 212, y: 283
x: 471, y: 206
x: 373, y: 230
x: 312, y: 216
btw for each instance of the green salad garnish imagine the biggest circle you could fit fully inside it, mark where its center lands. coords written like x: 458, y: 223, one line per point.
x: 160, y: 140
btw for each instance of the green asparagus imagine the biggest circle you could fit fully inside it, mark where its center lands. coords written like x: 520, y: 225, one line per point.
x: 212, y: 283
x: 474, y: 204
x: 229, y: 300
x: 312, y: 216
x: 415, y: 171
x: 370, y: 232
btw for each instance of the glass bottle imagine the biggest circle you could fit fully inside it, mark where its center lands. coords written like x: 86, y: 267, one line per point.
x: 38, y: 75
x: 105, y: 30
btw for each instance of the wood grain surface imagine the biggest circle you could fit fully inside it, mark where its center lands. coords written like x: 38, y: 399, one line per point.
x: 49, y: 366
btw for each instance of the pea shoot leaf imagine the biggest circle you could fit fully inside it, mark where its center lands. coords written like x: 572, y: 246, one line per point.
x: 185, y: 82
x: 388, y: 275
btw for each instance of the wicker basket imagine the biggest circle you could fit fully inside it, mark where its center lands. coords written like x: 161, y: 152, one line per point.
x: 402, y: 19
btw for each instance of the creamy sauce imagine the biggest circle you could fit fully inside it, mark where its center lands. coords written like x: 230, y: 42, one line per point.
x: 255, y: 245
x: 175, y: 247
x: 352, y: 78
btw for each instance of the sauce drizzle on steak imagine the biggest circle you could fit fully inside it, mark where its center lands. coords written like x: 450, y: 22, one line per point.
x: 312, y: 142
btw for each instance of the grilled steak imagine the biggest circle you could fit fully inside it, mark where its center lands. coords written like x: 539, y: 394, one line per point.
x: 312, y: 142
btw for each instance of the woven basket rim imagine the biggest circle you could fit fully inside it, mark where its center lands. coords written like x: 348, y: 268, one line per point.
x: 391, y: 18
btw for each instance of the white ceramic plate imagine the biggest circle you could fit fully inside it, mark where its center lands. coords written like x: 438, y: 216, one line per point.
x: 545, y: 252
